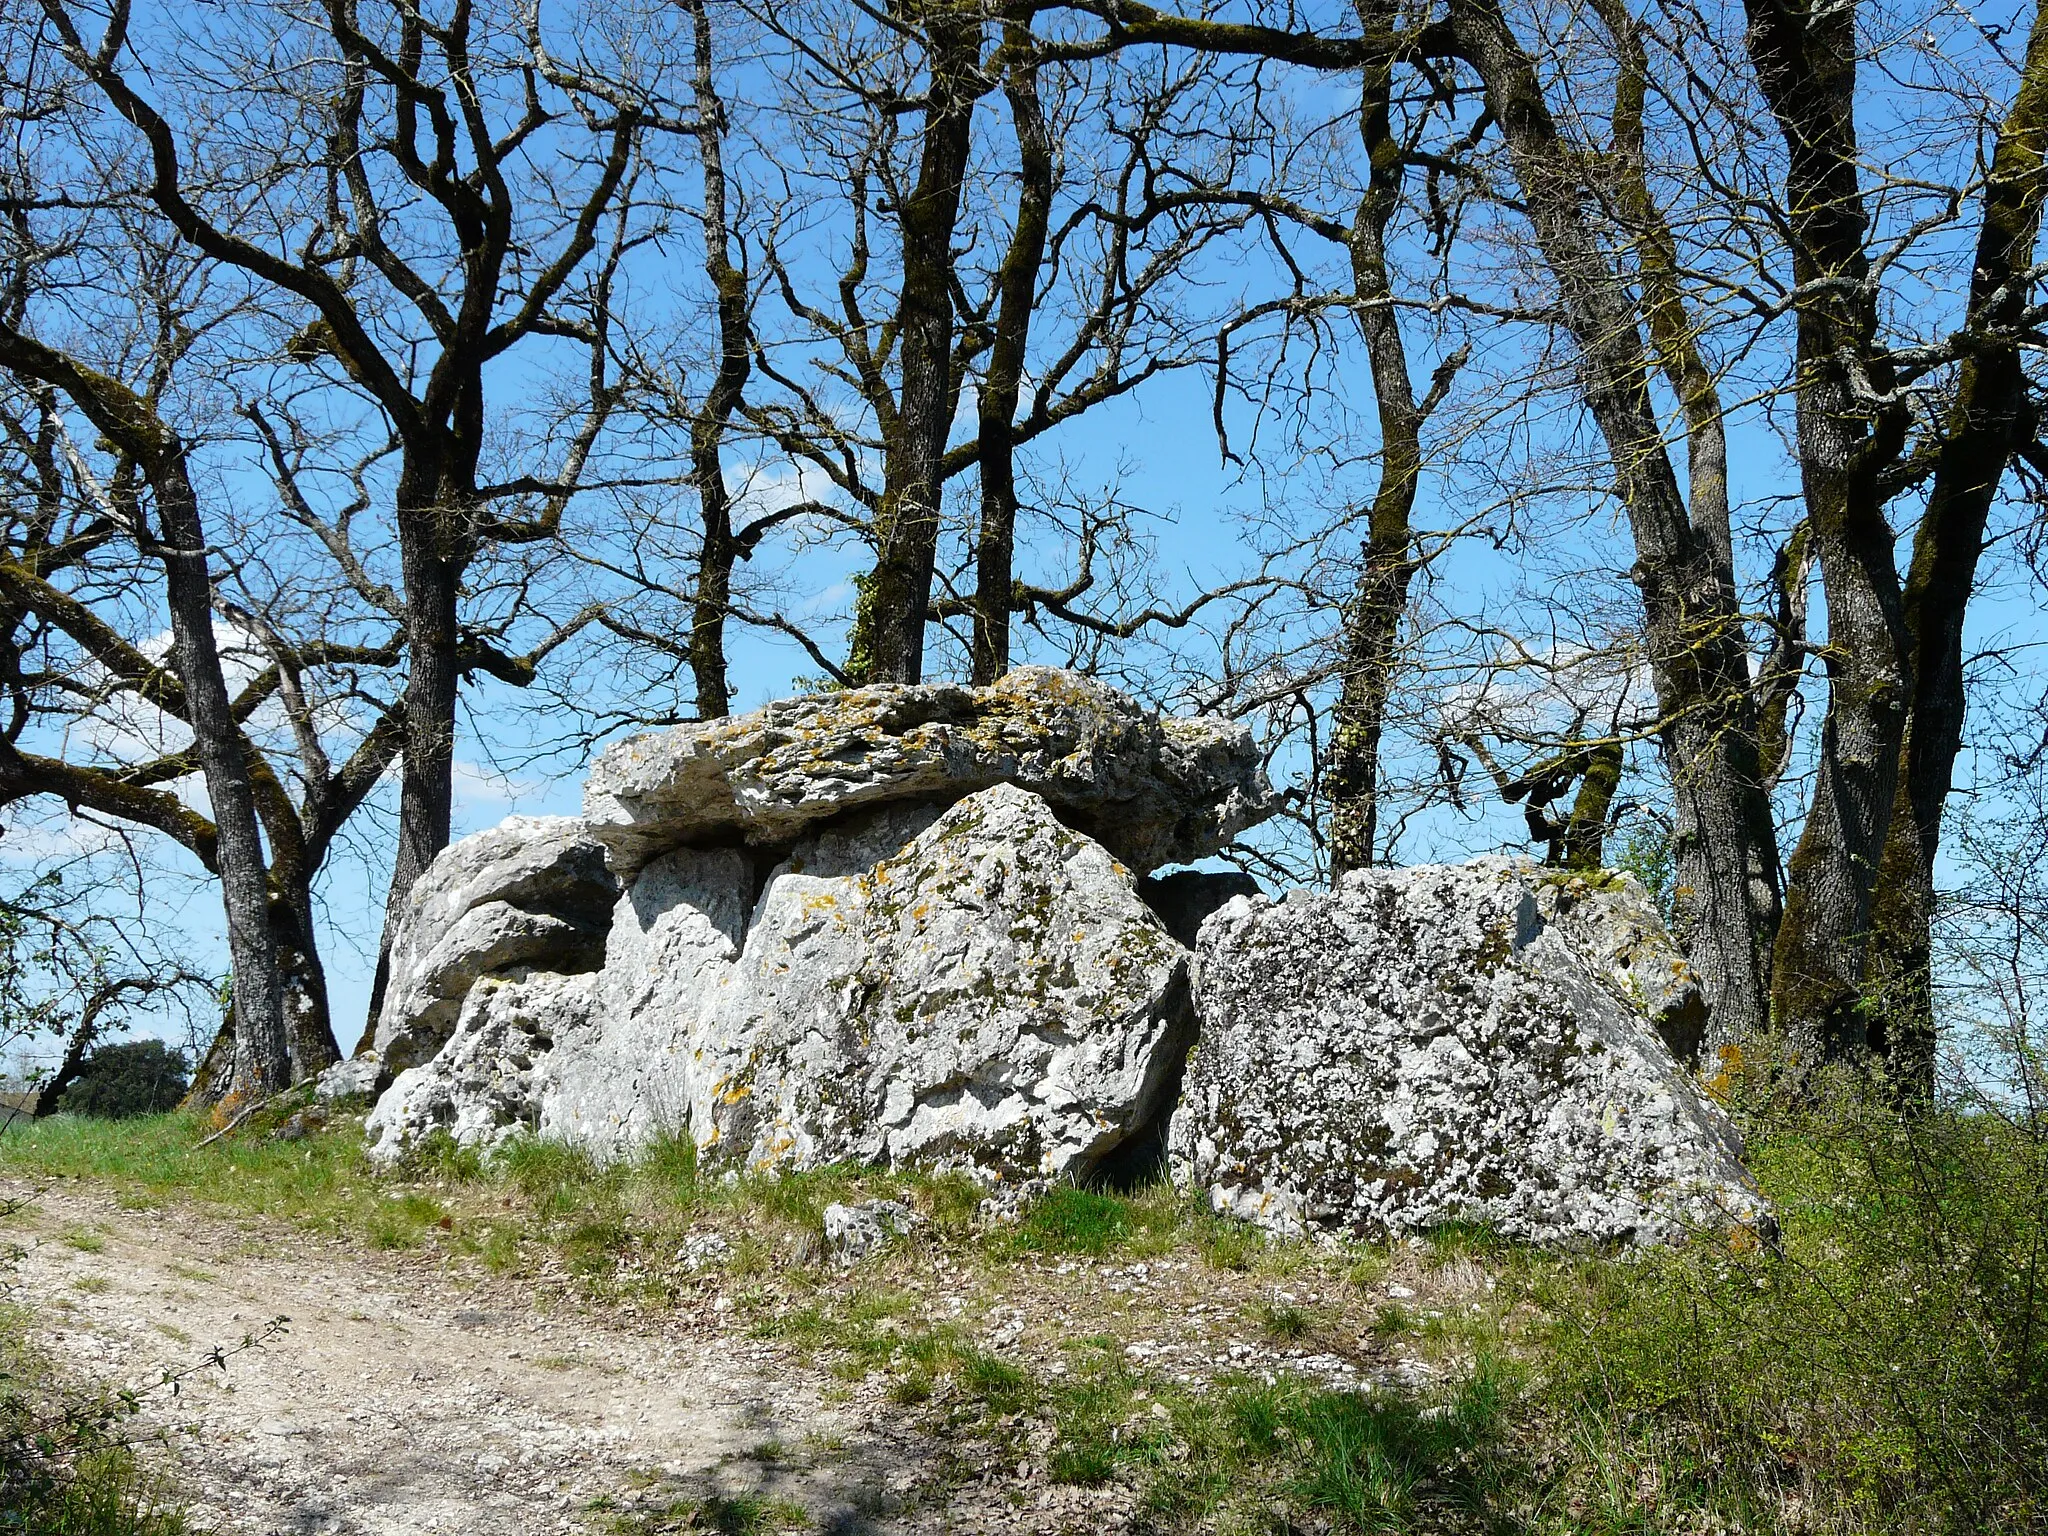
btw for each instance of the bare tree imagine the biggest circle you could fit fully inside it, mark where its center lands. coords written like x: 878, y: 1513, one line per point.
x: 426, y: 253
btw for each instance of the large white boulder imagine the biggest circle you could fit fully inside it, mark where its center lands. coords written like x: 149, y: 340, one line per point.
x: 480, y: 1086
x: 532, y: 892
x: 1153, y: 789
x: 978, y: 987
x: 892, y: 925
x: 1470, y: 1042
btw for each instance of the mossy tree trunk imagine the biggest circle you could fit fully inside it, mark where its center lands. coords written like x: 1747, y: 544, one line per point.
x: 1993, y: 417
x: 1727, y: 891
x: 712, y: 601
x: 148, y: 448
x: 995, y: 588
x: 887, y: 644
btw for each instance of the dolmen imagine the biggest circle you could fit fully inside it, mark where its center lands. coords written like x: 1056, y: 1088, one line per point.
x: 926, y: 926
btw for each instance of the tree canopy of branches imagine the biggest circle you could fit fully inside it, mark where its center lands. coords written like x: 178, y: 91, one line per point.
x: 367, y: 356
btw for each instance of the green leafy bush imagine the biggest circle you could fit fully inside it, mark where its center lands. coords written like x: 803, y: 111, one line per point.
x: 1884, y: 1368
x: 117, y: 1082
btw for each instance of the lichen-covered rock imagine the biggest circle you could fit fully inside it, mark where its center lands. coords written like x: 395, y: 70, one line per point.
x: 532, y: 891
x: 1446, y: 1043
x: 1609, y: 919
x: 627, y: 1073
x: 853, y: 1232
x: 355, y: 1078
x: 988, y: 993
x: 1152, y: 789
x: 480, y: 1086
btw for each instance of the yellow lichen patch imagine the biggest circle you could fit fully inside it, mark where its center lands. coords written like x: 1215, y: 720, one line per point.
x: 1728, y: 1076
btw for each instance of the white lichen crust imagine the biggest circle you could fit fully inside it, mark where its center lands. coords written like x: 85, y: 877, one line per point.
x: 990, y: 993
x: 1449, y: 1043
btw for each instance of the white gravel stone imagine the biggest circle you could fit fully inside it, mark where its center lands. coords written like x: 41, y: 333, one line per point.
x: 853, y: 1232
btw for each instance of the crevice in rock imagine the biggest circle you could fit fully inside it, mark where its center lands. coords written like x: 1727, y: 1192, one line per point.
x: 1140, y: 1157
x: 1183, y: 899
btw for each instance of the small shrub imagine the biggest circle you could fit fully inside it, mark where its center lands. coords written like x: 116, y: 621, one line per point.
x: 65, y: 1466
x: 98, y: 1493
x: 1884, y: 1369
x: 119, y: 1082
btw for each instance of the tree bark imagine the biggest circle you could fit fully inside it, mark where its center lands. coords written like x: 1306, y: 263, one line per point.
x: 1372, y: 620
x: 1583, y: 845
x: 1847, y: 432
x: 895, y: 596
x: 1017, y: 284
x: 263, y: 1053
x: 429, y: 509
x: 131, y: 423
x: 712, y: 601
x: 1992, y: 417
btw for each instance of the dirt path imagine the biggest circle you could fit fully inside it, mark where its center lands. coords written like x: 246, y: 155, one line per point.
x: 408, y: 1397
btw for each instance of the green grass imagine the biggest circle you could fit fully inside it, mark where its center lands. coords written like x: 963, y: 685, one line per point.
x: 1284, y: 1321
x: 100, y: 1493
x: 727, y: 1514
x: 1090, y: 1223
x: 1228, y: 1245
x: 324, y: 1179
x: 1883, y: 1370
x: 1229, y: 1458
x: 1356, y: 1462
